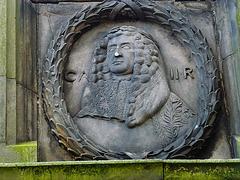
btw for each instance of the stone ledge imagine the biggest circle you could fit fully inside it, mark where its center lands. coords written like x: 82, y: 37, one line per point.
x: 124, y: 169
x: 84, y: 170
x: 199, y: 169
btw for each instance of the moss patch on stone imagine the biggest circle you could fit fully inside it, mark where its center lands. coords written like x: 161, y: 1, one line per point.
x: 24, y: 152
x: 210, y: 169
x: 124, y: 169
x: 84, y: 170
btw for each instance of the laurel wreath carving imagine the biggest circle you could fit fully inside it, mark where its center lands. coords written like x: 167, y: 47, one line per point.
x: 61, y: 123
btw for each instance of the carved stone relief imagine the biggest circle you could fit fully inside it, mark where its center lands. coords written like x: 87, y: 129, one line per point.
x: 128, y: 95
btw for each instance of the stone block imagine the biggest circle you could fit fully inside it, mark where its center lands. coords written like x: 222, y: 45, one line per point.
x: 31, y: 113
x: 26, y: 45
x: 35, y: 117
x: 11, y: 39
x: 20, y: 60
x: 27, y: 102
x: 3, y: 113
x: 21, y: 114
x: 11, y: 111
x: 226, y: 13
x: 30, y: 46
x: 3, y: 37
x: 231, y: 72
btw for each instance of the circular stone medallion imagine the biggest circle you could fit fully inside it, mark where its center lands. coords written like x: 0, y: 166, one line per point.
x: 121, y: 99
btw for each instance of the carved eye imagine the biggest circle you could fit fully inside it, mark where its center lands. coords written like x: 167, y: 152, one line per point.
x: 111, y: 48
x: 126, y: 46
x: 70, y: 76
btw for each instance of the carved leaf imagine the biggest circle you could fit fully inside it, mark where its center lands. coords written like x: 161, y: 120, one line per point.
x: 173, y: 118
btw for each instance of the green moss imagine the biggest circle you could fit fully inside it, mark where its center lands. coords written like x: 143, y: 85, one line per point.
x: 27, y: 151
x: 84, y: 170
x: 203, y: 170
x: 127, y: 169
x: 130, y: 169
x: 238, y: 16
x: 24, y: 152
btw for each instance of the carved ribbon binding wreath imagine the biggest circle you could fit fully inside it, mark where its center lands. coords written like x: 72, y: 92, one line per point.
x: 61, y: 123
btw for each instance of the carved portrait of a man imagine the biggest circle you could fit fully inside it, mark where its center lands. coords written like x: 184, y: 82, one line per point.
x: 127, y: 82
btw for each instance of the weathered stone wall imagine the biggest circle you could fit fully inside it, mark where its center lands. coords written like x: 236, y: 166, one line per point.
x: 21, y: 58
x: 228, y: 26
x: 18, y: 76
x: 19, y: 93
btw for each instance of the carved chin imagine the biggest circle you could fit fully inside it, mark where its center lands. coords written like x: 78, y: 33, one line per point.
x: 120, y: 69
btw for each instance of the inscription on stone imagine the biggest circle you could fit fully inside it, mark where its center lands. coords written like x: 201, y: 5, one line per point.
x: 71, y: 76
x: 187, y: 72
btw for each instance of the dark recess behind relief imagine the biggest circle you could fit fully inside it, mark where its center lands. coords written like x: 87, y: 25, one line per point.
x: 59, y: 1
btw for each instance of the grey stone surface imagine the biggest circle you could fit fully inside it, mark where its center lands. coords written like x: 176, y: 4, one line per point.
x: 48, y: 147
x: 50, y: 18
x: 3, y: 113
x: 175, y: 55
x: 26, y: 114
x: 20, y: 50
x: 218, y: 146
x: 30, y: 51
x: 231, y: 88
x: 26, y: 71
x: 21, y: 111
x: 31, y: 114
x: 35, y: 115
x: 80, y: 51
x: 11, y: 123
x: 3, y: 38
x: 226, y: 13
x: 106, y: 98
x: 26, y: 46
x: 229, y: 46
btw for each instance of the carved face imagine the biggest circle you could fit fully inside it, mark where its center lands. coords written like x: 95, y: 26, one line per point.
x: 121, y: 54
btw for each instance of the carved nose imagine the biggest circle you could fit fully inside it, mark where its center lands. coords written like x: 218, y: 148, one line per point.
x: 117, y: 54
